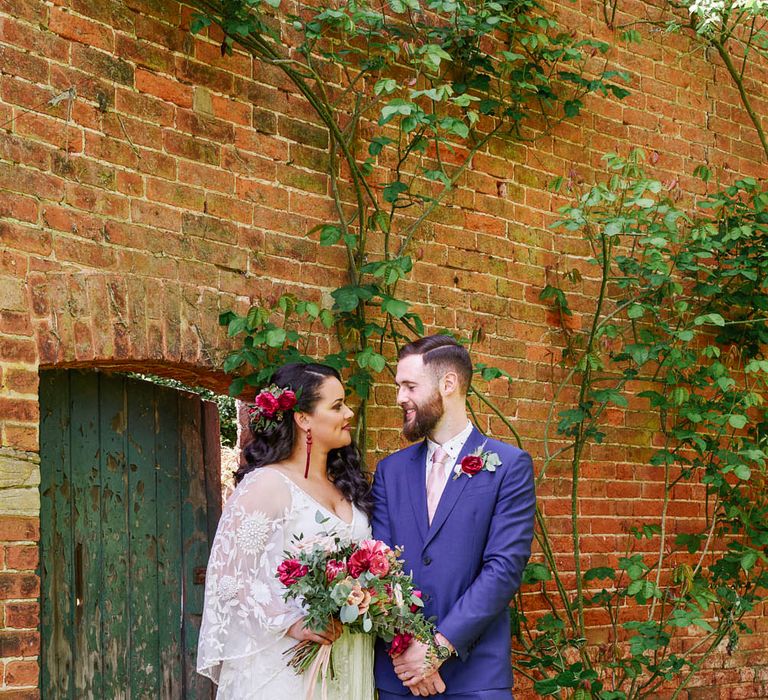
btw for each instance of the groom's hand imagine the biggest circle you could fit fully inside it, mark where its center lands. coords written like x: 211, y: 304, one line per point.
x: 411, y: 665
x: 429, y: 685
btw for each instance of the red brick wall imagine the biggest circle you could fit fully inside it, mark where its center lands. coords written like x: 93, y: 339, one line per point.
x: 178, y: 184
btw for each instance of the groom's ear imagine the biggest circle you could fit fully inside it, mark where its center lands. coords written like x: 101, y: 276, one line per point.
x: 449, y: 383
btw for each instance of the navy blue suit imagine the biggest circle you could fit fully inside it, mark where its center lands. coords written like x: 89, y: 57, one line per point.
x: 468, y: 562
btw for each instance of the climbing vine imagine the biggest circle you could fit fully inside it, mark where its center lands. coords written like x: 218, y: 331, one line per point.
x: 677, y: 328
x: 409, y: 92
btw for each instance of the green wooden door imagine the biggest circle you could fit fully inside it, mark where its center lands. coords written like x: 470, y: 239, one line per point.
x: 130, y: 492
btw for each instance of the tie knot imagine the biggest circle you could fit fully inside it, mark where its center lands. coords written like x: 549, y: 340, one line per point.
x: 439, y: 456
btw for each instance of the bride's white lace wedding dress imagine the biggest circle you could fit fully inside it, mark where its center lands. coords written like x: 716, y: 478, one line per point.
x: 242, y: 637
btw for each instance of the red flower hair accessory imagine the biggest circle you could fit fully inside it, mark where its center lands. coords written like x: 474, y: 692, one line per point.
x: 269, y: 406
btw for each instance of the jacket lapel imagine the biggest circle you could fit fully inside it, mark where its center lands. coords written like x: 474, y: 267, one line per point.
x: 453, y: 488
x: 418, y: 490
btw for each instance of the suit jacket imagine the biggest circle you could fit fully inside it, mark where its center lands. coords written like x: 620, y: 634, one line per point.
x: 467, y: 563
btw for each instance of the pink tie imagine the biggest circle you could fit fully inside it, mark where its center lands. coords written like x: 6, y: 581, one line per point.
x: 436, y: 481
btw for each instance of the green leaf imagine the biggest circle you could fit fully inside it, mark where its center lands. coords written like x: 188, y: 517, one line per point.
x: 236, y: 325
x: 393, y: 190
x: 381, y: 220
x: 599, y: 572
x: 386, y: 86
x: 748, y: 560
x: 715, y: 319
x: 743, y: 472
x: 378, y: 143
x: 395, y: 307
x: 572, y: 107
x: 348, y: 614
x: 691, y: 542
x: 737, y: 421
x: 275, y: 337
x: 329, y: 235
x: 199, y: 22
x: 237, y: 386
x: 370, y: 359
x: 326, y: 318
x: 348, y: 298
x: 536, y: 572
x: 546, y: 687
x: 233, y: 361
x: 377, y: 362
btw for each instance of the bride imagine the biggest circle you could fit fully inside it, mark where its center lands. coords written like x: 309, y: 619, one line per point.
x: 302, y: 476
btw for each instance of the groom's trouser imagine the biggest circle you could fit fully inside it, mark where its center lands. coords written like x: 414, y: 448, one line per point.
x: 479, y: 695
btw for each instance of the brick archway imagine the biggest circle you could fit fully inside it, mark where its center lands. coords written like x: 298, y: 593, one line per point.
x: 107, y: 320
x: 96, y: 320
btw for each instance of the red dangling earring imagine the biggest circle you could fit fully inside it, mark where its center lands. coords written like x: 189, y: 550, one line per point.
x: 309, y: 451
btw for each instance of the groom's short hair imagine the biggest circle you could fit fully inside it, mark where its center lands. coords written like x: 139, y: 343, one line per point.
x: 442, y: 353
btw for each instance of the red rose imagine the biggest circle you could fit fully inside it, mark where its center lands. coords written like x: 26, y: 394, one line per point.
x: 291, y: 571
x: 414, y: 607
x: 333, y: 568
x: 400, y: 643
x: 371, y: 555
x: 286, y: 400
x: 472, y: 464
x: 267, y: 403
x: 359, y: 561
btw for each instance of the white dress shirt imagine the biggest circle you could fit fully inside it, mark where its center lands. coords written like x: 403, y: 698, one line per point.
x: 453, y: 447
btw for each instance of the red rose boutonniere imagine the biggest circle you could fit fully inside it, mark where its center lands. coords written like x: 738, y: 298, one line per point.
x: 475, y: 462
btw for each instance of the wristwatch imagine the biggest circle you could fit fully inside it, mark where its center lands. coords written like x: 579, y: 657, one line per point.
x: 442, y: 652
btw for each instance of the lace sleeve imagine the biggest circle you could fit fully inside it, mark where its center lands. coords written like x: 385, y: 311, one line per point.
x: 244, y: 611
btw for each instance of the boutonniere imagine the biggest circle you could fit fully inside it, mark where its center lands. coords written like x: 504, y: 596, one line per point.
x: 477, y: 461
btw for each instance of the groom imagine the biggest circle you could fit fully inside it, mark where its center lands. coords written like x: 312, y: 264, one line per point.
x: 466, y: 538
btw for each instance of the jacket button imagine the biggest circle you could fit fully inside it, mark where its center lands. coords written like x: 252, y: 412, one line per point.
x: 427, y: 597
x: 427, y: 561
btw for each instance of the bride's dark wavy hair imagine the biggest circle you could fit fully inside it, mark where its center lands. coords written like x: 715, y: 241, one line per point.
x: 275, y: 443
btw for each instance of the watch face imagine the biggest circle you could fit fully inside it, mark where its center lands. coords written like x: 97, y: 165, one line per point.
x: 443, y: 652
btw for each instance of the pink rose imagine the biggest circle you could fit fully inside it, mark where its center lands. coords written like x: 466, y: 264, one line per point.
x: 472, y: 464
x: 378, y: 564
x: 400, y: 643
x: 290, y: 571
x: 333, y: 568
x: 286, y: 400
x: 267, y: 403
x: 373, y: 546
x: 414, y: 607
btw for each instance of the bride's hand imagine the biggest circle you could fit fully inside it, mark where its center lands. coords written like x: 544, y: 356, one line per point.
x: 299, y: 631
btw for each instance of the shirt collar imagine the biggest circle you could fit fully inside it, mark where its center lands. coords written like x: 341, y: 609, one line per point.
x: 452, y: 447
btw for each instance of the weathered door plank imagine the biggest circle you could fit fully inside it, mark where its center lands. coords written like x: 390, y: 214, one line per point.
x: 115, y: 637
x: 86, y: 499
x: 169, y: 536
x: 195, y: 539
x: 142, y: 514
x: 57, y: 609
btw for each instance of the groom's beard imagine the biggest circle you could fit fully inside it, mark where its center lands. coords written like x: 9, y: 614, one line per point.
x: 425, y: 418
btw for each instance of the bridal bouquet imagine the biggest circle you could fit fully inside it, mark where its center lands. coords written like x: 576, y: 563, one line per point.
x: 362, y: 584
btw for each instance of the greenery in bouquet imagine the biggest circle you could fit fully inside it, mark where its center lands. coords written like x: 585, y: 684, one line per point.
x: 362, y: 584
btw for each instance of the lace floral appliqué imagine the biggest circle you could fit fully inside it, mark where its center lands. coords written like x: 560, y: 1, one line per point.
x: 253, y: 533
x: 228, y: 588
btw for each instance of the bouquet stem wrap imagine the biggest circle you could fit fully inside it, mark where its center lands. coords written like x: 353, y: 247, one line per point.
x: 319, y: 668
